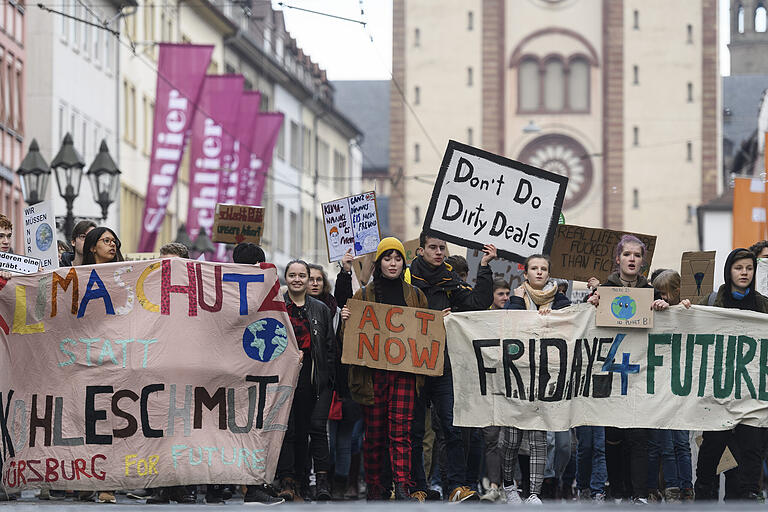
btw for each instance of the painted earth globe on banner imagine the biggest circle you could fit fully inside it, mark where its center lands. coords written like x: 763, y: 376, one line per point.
x: 264, y: 340
x: 623, y: 307
x: 44, y: 236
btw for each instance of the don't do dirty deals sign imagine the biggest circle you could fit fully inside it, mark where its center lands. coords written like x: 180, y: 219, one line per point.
x: 144, y: 374
x: 481, y: 198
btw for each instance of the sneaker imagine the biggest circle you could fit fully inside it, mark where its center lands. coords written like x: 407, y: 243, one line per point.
x: 533, y: 499
x: 513, y: 497
x: 106, y: 497
x: 687, y: 495
x: 261, y: 495
x: 462, y: 493
x: 492, y: 496
x: 419, y: 495
x: 639, y: 501
x: 434, y: 494
x: 86, y: 495
x: 598, y: 498
x: 140, y: 494
x: 757, y: 498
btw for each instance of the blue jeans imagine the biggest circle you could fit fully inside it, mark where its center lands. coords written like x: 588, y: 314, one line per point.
x: 660, y: 447
x: 340, y: 440
x: 440, y: 392
x: 591, y: 472
x: 682, y: 447
x: 558, y: 453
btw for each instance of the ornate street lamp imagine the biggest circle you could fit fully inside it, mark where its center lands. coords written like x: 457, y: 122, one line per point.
x: 105, y: 179
x: 183, y: 238
x: 68, y: 166
x: 34, y: 174
x: 203, y: 243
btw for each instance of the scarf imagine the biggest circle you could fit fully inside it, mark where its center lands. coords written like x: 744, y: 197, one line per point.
x: 424, y: 275
x: 539, y: 299
x: 330, y: 301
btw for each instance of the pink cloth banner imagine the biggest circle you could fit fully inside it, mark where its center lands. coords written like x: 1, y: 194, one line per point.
x: 144, y: 374
x: 213, y: 132
x: 265, y: 136
x: 231, y: 177
x: 180, y: 75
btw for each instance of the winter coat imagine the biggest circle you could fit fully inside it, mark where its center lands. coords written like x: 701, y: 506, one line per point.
x: 322, y: 344
x: 361, y: 377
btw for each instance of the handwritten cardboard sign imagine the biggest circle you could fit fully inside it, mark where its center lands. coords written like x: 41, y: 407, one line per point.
x: 761, y: 276
x: 18, y: 264
x: 697, y: 273
x: 510, y: 271
x: 40, y: 234
x: 394, y: 338
x: 481, y: 198
x: 625, y: 307
x: 580, y: 252
x: 235, y: 223
x: 351, y: 223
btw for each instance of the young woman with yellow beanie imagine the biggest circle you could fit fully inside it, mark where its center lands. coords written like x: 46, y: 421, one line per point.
x: 388, y: 397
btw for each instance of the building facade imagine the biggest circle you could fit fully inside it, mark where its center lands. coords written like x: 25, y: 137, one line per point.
x: 572, y: 86
x: 315, y: 159
x: 73, y: 88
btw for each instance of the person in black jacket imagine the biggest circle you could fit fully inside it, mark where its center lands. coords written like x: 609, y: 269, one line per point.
x: 627, y: 449
x: 75, y: 257
x: 537, y: 293
x: 312, y: 324
x: 446, y: 292
x: 747, y: 443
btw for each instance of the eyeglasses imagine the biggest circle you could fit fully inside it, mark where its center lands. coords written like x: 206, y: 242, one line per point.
x: 108, y: 241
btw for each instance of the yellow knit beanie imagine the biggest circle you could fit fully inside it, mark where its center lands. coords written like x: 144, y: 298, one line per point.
x: 390, y: 243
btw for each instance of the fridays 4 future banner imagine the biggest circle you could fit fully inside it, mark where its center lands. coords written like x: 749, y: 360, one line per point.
x: 701, y: 368
x: 144, y: 374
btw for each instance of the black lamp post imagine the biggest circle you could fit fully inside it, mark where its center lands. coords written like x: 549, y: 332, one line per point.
x: 105, y: 179
x: 34, y: 174
x: 68, y: 166
x: 182, y: 237
x: 203, y: 244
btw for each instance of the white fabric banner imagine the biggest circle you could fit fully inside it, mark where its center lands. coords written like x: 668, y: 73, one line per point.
x: 697, y: 369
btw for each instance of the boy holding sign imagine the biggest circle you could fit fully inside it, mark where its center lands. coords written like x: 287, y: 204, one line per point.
x: 446, y: 292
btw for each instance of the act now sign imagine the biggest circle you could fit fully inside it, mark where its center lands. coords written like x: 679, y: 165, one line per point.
x: 394, y: 338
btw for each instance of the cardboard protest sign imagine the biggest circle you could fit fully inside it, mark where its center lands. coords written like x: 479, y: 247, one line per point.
x: 555, y: 372
x: 130, y: 375
x: 697, y: 275
x: 141, y: 256
x: 235, y: 223
x: 625, y: 307
x: 761, y: 277
x: 351, y: 223
x: 40, y: 234
x: 481, y: 198
x: 18, y: 264
x: 510, y: 271
x: 580, y: 252
x: 394, y: 338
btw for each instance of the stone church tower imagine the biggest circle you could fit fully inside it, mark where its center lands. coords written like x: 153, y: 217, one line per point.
x: 749, y: 37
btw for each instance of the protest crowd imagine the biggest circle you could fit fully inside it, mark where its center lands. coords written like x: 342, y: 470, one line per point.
x: 360, y: 433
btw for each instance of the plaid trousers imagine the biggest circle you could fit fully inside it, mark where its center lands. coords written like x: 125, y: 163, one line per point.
x: 388, y: 425
x: 511, y: 437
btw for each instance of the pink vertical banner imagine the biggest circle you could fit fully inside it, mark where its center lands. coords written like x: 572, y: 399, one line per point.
x: 240, y: 156
x: 212, y: 140
x: 265, y: 136
x: 246, y: 127
x: 180, y: 76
